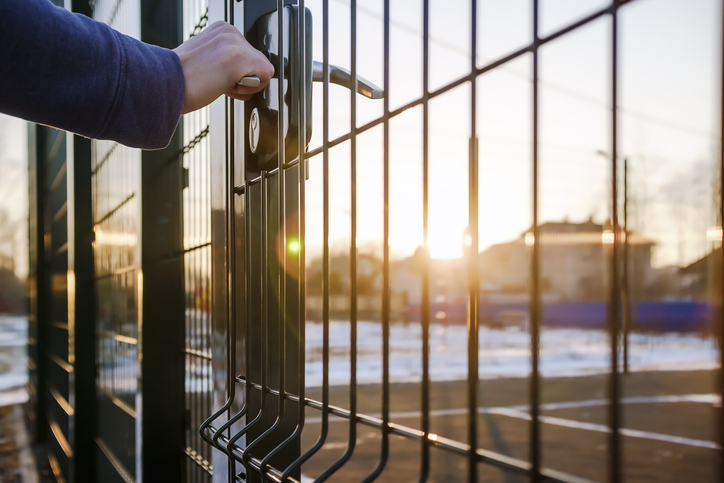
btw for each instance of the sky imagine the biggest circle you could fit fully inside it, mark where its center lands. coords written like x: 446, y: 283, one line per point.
x: 668, y: 82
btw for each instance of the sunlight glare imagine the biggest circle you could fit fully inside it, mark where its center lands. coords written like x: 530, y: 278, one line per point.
x: 446, y: 245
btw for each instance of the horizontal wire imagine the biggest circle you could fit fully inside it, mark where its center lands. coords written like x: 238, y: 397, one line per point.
x: 201, y: 25
x: 197, y: 353
x: 255, y: 463
x: 104, y: 159
x: 114, y: 210
x: 116, y: 401
x: 483, y: 456
x: 458, y: 82
x: 202, y: 462
x: 195, y: 140
x: 115, y: 273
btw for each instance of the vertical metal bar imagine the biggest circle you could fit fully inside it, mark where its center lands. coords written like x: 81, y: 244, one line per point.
x: 300, y: 54
x: 352, y: 438
x: 625, y: 282
x: 190, y: 360
x: 231, y: 256
x: 263, y: 277
x: 209, y: 330
x: 190, y: 317
x: 161, y: 339
x: 385, y: 396
x: 386, y: 248
x: 281, y: 186
x: 325, y: 225
x: 613, y: 310
x: 720, y: 266
x: 301, y: 294
x: 302, y: 234
x: 231, y: 301
x: 425, y: 294
x: 230, y: 294
x: 281, y: 244
x: 37, y: 335
x: 325, y: 263
x: 281, y: 146
x: 199, y: 388
x: 263, y: 346
x: 198, y: 340
x: 473, y: 262
x: 247, y: 302
x: 281, y: 349
x: 231, y: 267
x: 353, y: 235
x: 535, y: 297
x: 198, y: 345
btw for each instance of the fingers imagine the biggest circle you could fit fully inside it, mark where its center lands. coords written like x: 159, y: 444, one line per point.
x: 215, y: 60
x: 242, y: 59
x: 256, y: 64
x: 239, y: 97
x: 244, y: 90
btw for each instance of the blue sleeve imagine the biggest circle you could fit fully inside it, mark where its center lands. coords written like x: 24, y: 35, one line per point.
x: 73, y: 73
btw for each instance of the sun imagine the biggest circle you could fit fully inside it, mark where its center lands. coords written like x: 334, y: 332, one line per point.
x: 446, y: 244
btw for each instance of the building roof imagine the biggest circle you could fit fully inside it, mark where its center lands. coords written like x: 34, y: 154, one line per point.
x: 586, y: 233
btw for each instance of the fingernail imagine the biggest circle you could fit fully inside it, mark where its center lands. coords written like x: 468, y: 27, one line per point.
x: 249, y: 81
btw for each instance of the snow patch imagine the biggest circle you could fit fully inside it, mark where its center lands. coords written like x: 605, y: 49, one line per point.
x: 502, y: 352
x: 17, y: 396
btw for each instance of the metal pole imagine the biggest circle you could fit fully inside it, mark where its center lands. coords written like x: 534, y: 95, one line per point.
x: 535, y: 311
x: 719, y: 277
x: 624, y: 282
x: 615, y: 289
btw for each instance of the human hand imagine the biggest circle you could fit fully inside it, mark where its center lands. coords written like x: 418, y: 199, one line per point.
x: 215, y: 60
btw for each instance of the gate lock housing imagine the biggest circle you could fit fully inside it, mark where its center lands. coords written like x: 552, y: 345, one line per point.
x: 261, y: 114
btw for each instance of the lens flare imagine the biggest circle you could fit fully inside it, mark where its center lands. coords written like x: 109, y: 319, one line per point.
x: 293, y: 246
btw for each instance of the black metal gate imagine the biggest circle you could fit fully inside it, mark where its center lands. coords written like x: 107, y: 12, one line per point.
x: 260, y: 258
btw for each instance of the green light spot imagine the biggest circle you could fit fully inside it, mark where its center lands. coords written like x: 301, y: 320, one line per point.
x: 294, y: 246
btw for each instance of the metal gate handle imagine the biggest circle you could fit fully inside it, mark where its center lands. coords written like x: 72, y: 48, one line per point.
x: 337, y: 75
x: 342, y: 77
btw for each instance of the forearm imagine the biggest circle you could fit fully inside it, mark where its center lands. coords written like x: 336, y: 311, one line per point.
x: 73, y: 73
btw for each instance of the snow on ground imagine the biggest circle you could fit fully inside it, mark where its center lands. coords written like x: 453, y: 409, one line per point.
x: 9, y: 397
x: 502, y: 353
x: 13, y: 343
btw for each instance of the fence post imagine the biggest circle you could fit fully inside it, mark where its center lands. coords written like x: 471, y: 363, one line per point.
x: 162, y: 359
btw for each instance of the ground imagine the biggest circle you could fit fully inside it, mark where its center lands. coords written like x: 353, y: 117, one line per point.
x: 671, y: 439
x: 16, y: 460
x: 669, y: 416
x: 9, y: 451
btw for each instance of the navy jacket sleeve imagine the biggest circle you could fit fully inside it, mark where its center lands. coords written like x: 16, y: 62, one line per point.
x: 73, y: 73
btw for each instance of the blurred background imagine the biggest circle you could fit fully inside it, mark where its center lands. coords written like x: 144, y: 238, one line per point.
x: 13, y: 298
x: 13, y: 214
